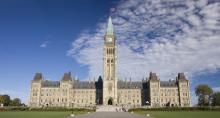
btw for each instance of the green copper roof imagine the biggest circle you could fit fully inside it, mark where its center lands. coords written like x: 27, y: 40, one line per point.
x: 110, y: 27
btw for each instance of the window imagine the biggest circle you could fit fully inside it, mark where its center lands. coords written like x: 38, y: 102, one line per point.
x: 34, y: 94
x: 184, y: 94
x: 129, y: 97
x: 110, y: 87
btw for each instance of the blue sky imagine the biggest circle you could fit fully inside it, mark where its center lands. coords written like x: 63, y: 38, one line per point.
x: 54, y: 36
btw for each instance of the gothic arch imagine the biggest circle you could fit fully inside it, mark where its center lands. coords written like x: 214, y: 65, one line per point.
x: 110, y: 101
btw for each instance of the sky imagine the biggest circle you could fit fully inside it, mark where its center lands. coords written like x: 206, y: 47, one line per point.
x: 54, y: 36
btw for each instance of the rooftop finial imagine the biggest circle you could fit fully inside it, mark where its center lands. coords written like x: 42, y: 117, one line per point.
x: 110, y: 27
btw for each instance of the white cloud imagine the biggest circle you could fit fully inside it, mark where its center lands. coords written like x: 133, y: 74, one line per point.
x: 44, y: 44
x: 194, y: 99
x: 216, y: 89
x: 165, y: 37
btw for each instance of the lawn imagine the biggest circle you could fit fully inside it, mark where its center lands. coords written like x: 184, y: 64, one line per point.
x: 35, y: 114
x: 181, y: 114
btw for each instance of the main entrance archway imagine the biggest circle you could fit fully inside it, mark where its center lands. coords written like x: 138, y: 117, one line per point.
x: 110, y: 101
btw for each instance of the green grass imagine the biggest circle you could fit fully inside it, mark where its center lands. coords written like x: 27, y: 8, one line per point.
x: 181, y: 114
x: 36, y: 114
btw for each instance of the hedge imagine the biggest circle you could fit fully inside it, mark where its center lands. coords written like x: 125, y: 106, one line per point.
x: 44, y: 109
x: 177, y: 109
x: 14, y: 109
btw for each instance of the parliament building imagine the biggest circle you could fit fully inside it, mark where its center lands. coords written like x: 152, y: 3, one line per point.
x: 108, y: 89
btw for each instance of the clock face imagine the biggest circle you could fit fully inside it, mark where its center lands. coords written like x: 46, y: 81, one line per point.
x: 109, y: 39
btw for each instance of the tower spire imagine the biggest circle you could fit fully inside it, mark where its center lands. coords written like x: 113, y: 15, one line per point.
x: 109, y: 27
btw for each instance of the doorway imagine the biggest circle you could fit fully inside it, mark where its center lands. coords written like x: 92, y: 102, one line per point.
x: 110, y: 102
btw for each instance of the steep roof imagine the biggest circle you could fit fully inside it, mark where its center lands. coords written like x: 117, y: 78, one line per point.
x: 181, y: 76
x: 84, y: 85
x: 168, y: 83
x: 153, y: 77
x: 130, y: 85
x: 38, y: 77
x: 66, y: 77
x: 48, y: 83
x: 110, y: 27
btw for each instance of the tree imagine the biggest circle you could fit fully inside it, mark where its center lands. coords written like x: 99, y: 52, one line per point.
x: 216, y: 99
x: 5, y: 100
x: 15, y: 102
x: 204, y: 93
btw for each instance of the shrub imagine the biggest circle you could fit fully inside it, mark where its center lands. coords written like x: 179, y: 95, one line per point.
x: 14, y: 109
x: 44, y: 109
x: 177, y: 109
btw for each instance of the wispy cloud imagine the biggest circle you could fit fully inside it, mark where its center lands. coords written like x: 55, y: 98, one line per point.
x: 216, y: 89
x: 44, y: 44
x: 164, y: 36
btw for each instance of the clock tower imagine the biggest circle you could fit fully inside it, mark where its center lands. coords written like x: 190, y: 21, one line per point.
x: 109, y: 67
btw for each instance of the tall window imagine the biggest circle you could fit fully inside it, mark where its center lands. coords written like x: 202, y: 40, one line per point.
x: 110, y: 87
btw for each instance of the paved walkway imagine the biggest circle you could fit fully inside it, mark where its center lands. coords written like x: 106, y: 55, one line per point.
x: 110, y: 115
x: 108, y: 108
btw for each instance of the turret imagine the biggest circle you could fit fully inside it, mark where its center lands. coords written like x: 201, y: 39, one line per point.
x: 154, y: 86
x: 183, y: 87
x: 35, y: 90
x: 153, y: 77
x: 38, y: 77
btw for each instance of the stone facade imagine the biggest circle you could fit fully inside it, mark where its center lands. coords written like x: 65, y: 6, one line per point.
x: 110, y: 94
x: 169, y: 93
x: 69, y: 92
